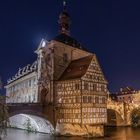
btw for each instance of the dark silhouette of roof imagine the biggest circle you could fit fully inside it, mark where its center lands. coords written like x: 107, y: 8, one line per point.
x: 77, y: 68
x: 68, y: 40
x: 126, y: 90
x: 64, y: 13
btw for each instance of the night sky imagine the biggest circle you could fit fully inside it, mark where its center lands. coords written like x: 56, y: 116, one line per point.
x: 110, y: 29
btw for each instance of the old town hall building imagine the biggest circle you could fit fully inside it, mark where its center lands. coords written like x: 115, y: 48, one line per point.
x: 68, y: 76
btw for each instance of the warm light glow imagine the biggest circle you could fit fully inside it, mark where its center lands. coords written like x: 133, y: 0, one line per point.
x: 36, y: 123
x: 43, y: 44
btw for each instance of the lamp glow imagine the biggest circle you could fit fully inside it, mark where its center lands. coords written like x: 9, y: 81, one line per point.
x: 43, y: 44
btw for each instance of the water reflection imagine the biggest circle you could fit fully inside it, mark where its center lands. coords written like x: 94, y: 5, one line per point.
x: 113, y: 133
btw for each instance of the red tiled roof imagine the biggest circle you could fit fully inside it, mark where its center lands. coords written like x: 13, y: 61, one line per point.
x: 77, y: 68
x: 126, y: 90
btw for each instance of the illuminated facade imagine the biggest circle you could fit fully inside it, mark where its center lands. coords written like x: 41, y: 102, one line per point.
x: 124, y: 95
x: 81, y: 93
x: 22, y: 88
x: 136, y: 97
x: 70, y: 78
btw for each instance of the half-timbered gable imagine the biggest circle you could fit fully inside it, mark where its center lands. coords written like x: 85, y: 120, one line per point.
x: 94, y: 94
x: 79, y: 93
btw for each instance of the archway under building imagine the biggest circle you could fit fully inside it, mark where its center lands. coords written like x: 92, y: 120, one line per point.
x: 31, y: 123
x: 114, y: 118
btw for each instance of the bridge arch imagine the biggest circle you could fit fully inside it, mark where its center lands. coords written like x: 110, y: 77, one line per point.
x: 31, y: 123
x: 114, y: 118
x: 35, y: 109
x: 134, y: 116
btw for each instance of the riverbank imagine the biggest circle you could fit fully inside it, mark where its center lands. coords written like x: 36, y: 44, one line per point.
x: 114, y: 133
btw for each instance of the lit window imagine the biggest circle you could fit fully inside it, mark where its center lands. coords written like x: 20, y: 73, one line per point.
x: 94, y: 87
x: 84, y: 99
x: 86, y: 86
x: 77, y: 86
x: 78, y: 99
x: 29, y: 83
x: 96, y: 99
x: 60, y: 100
x: 102, y: 88
x: 103, y: 100
x: 89, y: 99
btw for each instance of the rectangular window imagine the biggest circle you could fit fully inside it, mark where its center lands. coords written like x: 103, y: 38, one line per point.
x: 85, y: 99
x: 78, y: 99
x: 102, y: 88
x: 96, y: 100
x: 89, y: 99
x: 103, y: 100
x: 77, y: 86
x: 86, y: 86
x: 94, y: 87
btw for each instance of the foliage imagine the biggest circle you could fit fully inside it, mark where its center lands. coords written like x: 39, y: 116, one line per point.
x: 29, y: 127
x: 135, y: 117
x: 4, y: 117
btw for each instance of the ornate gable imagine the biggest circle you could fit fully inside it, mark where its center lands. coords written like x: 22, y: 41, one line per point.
x: 94, y: 72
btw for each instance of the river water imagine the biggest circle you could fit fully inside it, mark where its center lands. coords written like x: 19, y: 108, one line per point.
x: 113, y: 133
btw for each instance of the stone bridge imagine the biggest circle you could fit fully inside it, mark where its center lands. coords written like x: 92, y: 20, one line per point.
x: 38, y: 115
x: 43, y: 118
x: 120, y: 113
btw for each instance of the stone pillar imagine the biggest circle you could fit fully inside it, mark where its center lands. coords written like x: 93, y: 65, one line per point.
x: 66, y: 129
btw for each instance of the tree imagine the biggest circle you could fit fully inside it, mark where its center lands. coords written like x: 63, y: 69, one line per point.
x: 28, y: 126
x: 4, y: 117
x: 135, y: 117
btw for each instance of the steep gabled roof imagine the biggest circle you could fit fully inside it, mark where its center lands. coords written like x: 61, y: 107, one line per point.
x: 77, y: 68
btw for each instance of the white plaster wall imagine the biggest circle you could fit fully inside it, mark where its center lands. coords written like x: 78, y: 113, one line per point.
x: 24, y: 90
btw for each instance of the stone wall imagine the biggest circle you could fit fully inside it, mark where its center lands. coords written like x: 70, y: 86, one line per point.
x: 78, y: 130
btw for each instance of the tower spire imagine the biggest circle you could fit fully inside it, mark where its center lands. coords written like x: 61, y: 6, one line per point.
x: 64, y: 20
x: 64, y: 3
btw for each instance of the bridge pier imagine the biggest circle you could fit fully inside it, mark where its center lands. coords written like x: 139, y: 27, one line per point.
x: 67, y: 129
